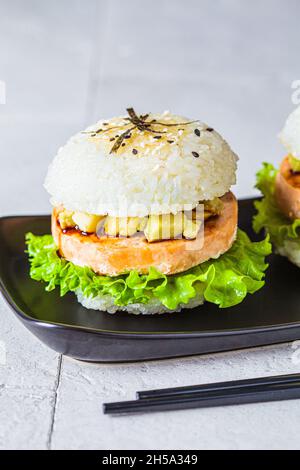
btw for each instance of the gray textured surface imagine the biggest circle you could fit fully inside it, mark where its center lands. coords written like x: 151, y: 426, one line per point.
x: 66, y: 63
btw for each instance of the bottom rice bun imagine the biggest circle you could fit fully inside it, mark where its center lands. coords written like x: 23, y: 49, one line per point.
x: 144, y: 221
x: 279, y: 211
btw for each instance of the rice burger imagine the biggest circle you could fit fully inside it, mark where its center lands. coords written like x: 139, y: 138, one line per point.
x: 144, y: 220
x: 278, y: 213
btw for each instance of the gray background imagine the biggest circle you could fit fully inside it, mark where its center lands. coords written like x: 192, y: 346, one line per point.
x: 67, y: 63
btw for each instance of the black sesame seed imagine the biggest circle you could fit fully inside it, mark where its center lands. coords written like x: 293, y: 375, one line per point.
x: 134, y: 151
x: 197, y: 132
x: 210, y: 129
x: 170, y: 141
x: 93, y: 135
x: 113, y: 138
x: 105, y: 123
x: 123, y: 145
x: 195, y: 154
x: 157, y: 137
x: 127, y: 136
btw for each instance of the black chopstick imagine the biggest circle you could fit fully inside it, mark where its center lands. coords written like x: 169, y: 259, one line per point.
x: 218, y: 386
x: 224, y: 397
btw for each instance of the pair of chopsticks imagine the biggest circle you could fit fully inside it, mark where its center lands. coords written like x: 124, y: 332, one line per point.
x: 263, y: 389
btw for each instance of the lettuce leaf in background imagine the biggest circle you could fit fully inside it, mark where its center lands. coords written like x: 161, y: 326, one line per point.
x: 268, y: 216
x: 224, y: 281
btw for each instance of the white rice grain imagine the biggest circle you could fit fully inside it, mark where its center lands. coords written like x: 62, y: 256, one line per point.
x: 154, y: 306
x: 290, y: 135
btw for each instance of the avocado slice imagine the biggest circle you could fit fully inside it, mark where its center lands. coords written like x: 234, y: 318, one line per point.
x: 211, y: 208
x: 191, y: 228
x: 87, y: 222
x: 111, y: 226
x: 128, y: 226
x: 170, y: 226
x: 65, y: 219
x: 214, y: 206
x: 153, y: 228
x: 124, y: 226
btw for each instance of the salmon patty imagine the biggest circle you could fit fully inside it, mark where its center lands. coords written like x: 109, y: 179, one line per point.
x: 287, y: 190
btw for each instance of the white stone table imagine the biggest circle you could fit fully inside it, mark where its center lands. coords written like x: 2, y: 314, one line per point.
x: 67, y: 63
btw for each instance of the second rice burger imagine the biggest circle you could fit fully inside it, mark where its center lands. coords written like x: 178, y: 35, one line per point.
x: 143, y: 218
x: 279, y: 211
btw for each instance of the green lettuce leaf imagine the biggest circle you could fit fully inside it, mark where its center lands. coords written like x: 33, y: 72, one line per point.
x: 268, y: 216
x: 224, y: 281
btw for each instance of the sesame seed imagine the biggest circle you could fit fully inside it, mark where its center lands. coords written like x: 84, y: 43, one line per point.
x: 197, y: 132
x: 195, y: 154
x: 210, y: 129
x: 157, y: 137
x: 127, y: 136
x: 134, y: 151
x: 112, y: 138
x: 123, y: 145
x: 170, y: 141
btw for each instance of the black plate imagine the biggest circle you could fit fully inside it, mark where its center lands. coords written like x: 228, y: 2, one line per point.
x: 270, y: 316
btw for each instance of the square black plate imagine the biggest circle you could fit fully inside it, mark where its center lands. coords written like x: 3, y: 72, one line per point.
x: 270, y: 316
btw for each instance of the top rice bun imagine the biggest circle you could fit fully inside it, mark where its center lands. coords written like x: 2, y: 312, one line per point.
x: 150, y: 173
x: 290, y: 135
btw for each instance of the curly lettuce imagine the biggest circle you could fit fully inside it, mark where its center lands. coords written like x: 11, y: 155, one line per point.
x: 268, y: 217
x: 224, y: 281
